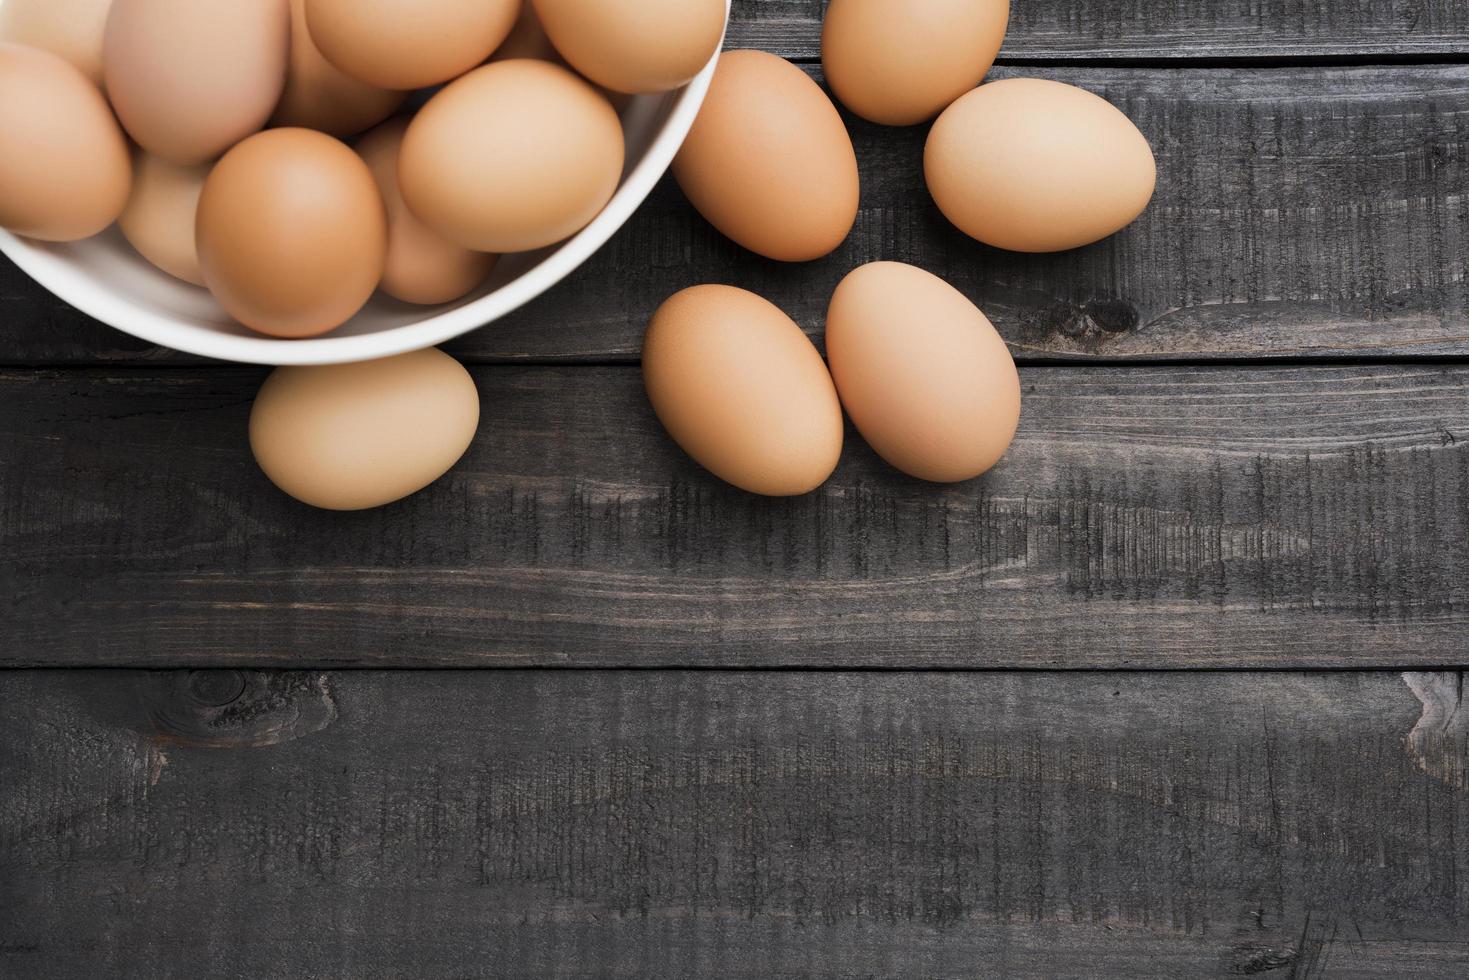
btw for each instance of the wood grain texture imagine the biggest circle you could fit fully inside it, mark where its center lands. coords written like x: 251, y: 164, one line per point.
x: 746, y: 825
x: 1089, y: 30
x: 1298, y: 212
x: 1150, y: 517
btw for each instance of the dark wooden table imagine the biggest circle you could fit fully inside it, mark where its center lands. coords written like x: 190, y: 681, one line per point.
x: 1173, y: 692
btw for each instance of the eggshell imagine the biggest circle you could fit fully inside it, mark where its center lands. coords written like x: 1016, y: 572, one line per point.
x: 70, y: 28
x: 159, y: 218
x: 902, y: 63
x: 1033, y: 165
x: 292, y: 232
x: 421, y: 266
x: 647, y: 46
x: 352, y: 436
x: 922, y: 373
x: 768, y: 161
x: 408, y: 44
x: 65, y: 172
x: 742, y: 390
x: 191, y: 78
x: 513, y: 156
x: 318, y: 96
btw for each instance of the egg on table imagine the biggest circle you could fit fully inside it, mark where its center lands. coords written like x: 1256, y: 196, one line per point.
x: 648, y: 46
x: 922, y: 372
x: 742, y: 390
x: 421, y: 266
x: 72, y: 29
x: 65, y: 170
x: 1034, y: 165
x: 292, y: 232
x: 408, y: 44
x: 901, y: 63
x: 190, y: 78
x: 353, y: 436
x: 319, y: 96
x: 513, y: 156
x: 768, y: 161
x: 160, y: 215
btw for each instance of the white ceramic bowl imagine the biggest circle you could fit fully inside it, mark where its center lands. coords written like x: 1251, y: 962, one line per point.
x: 106, y: 279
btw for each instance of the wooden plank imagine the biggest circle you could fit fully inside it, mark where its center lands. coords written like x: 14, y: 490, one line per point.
x: 1157, y: 517
x: 1091, y: 30
x: 1299, y: 212
x: 746, y: 824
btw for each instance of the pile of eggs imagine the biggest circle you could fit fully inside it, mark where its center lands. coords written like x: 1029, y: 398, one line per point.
x: 211, y: 132
x: 292, y: 229
x: 1024, y: 164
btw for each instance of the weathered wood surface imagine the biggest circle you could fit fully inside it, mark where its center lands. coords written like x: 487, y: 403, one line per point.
x: 1148, y: 517
x: 1091, y: 30
x: 749, y: 824
x: 1303, y: 211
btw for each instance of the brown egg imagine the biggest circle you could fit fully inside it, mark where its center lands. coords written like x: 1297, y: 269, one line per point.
x: 191, y: 78
x: 921, y: 372
x: 422, y: 266
x: 742, y: 391
x: 648, y: 46
x: 902, y: 63
x: 408, y: 44
x: 1033, y: 165
x: 513, y: 156
x: 352, y: 436
x: 160, y: 216
x: 292, y: 232
x: 318, y: 96
x: 64, y: 166
x: 70, y: 28
x: 769, y: 162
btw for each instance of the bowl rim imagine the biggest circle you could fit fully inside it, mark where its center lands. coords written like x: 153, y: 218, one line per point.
x: 80, y: 291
